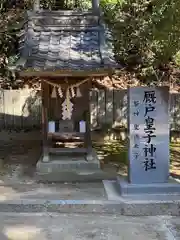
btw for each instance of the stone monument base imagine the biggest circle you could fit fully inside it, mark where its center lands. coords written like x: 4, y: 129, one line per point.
x: 126, y: 188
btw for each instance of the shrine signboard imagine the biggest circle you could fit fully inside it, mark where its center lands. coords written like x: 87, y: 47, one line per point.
x: 148, y: 134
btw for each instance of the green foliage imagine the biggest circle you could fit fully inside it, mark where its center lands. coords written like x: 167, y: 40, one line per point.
x: 65, y: 4
x: 11, y: 21
x: 146, y: 33
x: 177, y: 58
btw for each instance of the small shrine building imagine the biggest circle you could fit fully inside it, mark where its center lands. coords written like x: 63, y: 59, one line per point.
x: 65, y: 50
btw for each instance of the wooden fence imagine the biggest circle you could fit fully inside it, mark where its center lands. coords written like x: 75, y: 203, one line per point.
x: 22, y: 109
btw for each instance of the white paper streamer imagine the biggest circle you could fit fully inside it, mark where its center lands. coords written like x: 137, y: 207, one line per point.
x: 72, y: 92
x: 60, y: 92
x: 78, y: 92
x: 53, y: 94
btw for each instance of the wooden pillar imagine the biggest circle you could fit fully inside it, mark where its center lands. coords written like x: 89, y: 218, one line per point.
x: 95, y: 5
x: 44, y: 92
x: 88, y: 138
x: 88, y: 141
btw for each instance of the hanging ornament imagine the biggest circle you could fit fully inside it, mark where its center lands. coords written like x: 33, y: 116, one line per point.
x: 72, y: 92
x: 53, y: 94
x: 60, y: 92
x: 78, y: 92
x: 67, y: 107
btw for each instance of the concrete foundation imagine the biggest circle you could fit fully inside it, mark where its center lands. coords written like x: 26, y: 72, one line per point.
x: 70, y: 168
x: 73, y: 176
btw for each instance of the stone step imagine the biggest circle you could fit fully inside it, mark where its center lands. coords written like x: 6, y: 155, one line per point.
x: 67, y: 165
x: 62, y: 151
x: 69, y: 168
x: 83, y: 198
x: 67, y: 157
x: 70, y: 198
x: 91, y: 207
x: 52, y: 191
x: 75, y: 176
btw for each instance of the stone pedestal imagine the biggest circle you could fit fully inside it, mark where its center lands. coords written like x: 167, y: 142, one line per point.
x: 169, y: 188
x: 71, y: 168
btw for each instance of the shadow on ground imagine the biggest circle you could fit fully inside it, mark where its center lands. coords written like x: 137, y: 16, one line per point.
x: 19, y: 153
x: 113, y: 150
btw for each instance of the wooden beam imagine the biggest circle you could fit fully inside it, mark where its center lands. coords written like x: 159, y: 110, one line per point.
x: 65, y: 16
x: 66, y: 136
x: 67, y: 150
x: 67, y: 73
x: 59, y: 13
x: 66, y: 28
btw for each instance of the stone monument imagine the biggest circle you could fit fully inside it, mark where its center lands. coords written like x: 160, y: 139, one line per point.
x: 148, y: 123
x: 148, y: 135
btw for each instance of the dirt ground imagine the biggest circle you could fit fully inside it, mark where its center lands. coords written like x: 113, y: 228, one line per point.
x: 23, y: 147
x: 19, y: 153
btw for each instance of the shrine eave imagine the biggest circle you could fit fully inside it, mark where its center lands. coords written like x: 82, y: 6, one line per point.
x: 68, y: 73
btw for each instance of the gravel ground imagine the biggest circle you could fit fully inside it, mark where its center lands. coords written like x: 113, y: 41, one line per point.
x: 84, y: 227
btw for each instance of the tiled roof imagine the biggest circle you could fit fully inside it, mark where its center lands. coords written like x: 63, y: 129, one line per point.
x: 64, y: 40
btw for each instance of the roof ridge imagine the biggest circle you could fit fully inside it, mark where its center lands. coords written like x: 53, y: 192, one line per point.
x: 61, y: 13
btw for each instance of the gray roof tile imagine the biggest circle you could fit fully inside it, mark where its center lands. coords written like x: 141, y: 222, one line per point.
x: 59, y: 41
